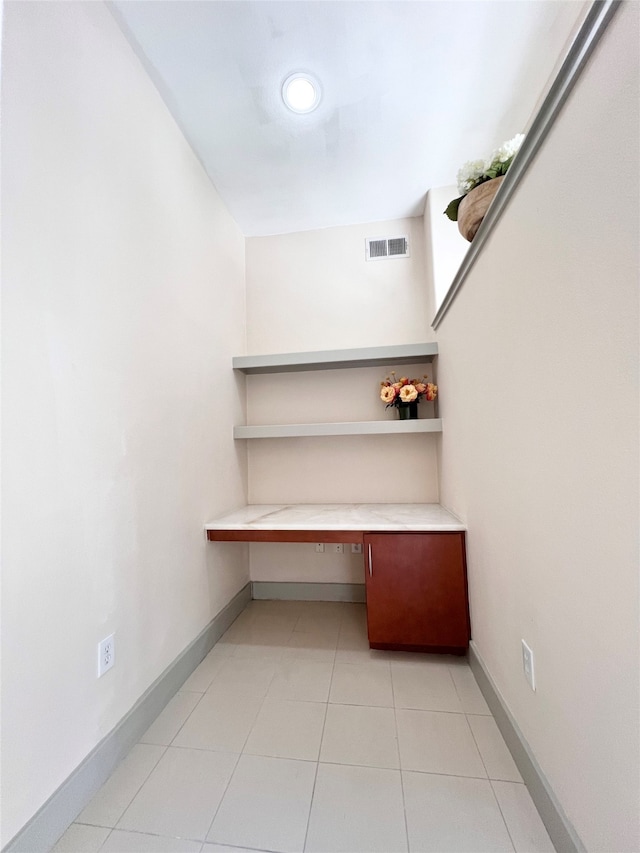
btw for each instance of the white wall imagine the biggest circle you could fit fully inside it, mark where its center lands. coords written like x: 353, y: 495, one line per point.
x: 315, y: 290
x: 539, y: 359
x: 123, y: 302
x: 445, y: 245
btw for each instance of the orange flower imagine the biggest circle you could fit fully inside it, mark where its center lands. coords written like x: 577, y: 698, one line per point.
x: 408, y: 394
x: 388, y: 394
x: 420, y: 387
x: 432, y: 391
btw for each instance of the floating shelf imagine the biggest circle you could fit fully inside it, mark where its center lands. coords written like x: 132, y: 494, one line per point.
x: 337, y: 359
x: 348, y: 428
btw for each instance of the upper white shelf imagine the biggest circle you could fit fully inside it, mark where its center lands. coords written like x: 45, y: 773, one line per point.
x: 348, y: 428
x: 336, y: 359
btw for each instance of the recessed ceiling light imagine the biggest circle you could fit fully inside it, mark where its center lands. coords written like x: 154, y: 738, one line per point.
x: 301, y: 92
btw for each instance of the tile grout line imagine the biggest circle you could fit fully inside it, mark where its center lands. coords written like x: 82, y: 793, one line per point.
x: 202, y: 695
x: 493, y: 791
x: 122, y: 813
x: 324, y: 724
x: 404, y: 801
x: 241, y: 753
x: 151, y: 834
x: 504, y: 820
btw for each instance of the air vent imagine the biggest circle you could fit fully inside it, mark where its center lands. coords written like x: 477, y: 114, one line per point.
x: 379, y: 248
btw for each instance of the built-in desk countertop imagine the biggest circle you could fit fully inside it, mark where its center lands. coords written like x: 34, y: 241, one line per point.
x: 336, y: 522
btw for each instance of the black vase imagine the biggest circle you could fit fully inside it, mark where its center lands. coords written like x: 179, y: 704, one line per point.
x: 408, y: 411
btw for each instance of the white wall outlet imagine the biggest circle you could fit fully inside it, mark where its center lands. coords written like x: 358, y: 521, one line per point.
x: 527, y: 665
x: 338, y: 549
x: 319, y: 548
x: 106, y: 654
x: 356, y: 549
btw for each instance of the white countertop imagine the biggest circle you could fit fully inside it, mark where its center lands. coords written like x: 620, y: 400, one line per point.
x: 367, y: 517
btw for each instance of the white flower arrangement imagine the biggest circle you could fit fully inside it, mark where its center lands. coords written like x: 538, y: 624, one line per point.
x: 476, y: 172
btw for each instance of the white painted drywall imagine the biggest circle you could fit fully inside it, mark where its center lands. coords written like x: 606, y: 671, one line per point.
x: 314, y: 290
x: 539, y: 357
x: 311, y: 291
x: 445, y: 245
x: 123, y: 303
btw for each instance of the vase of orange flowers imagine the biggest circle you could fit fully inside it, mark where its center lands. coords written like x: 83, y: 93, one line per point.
x: 404, y: 394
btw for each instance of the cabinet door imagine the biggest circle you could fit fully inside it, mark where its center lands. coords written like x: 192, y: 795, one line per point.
x: 417, y: 591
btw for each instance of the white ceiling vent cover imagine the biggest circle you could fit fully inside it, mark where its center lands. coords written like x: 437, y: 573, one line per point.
x: 384, y: 248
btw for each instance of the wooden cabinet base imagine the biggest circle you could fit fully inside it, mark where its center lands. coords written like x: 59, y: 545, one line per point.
x: 417, y: 592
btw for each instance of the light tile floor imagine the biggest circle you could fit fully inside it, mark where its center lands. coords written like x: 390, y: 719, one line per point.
x: 293, y: 736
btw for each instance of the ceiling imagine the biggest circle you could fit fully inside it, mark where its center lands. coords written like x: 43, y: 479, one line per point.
x: 411, y: 90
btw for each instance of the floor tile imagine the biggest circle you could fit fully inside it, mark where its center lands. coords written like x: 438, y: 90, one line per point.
x: 261, y: 634
x: 245, y: 676
x: 354, y: 616
x: 181, y: 795
x: 285, y: 729
x: 471, y: 698
x: 121, y: 841
x: 266, y: 805
x: 361, y: 684
x: 353, y: 641
x: 260, y: 651
x: 282, y: 620
x: 356, y: 810
x: 167, y: 725
x: 274, y: 607
x: 359, y: 652
x: 106, y: 808
x: 203, y: 674
x: 428, y: 687
x: 315, y: 620
x: 448, y: 814
x: 355, y: 734
x: 525, y: 825
x: 435, y: 742
x: 252, y: 721
x: 221, y: 721
x: 330, y: 611
x: 318, y: 626
x: 80, y: 838
x: 495, y: 754
x: 420, y: 659
x: 301, y: 680
x: 311, y: 646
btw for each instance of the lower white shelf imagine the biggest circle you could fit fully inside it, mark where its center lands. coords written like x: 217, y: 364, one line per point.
x: 348, y: 428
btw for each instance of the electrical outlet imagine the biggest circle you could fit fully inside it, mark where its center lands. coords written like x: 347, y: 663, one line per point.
x: 106, y: 654
x: 356, y: 549
x: 319, y: 548
x: 527, y: 665
x: 338, y: 549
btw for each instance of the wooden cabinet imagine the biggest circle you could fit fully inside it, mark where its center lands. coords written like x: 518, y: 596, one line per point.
x: 417, y: 591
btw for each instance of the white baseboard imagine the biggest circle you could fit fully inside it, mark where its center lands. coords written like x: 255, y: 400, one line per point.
x: 564, y: 837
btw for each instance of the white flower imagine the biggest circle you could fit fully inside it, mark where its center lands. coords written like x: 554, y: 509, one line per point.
x: 468, y: 175
x: 475, y: 172
x: 508, y: 149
